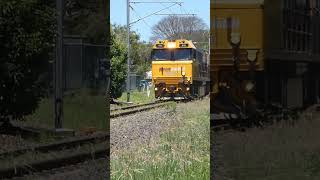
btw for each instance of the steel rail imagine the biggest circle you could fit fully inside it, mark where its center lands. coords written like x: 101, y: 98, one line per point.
x: 136, y: 109
x: 135, y: 106
x: 38, y: 166
x: 55, y: 146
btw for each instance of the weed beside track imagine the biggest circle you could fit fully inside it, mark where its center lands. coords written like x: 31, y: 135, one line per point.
x: 179, y: 151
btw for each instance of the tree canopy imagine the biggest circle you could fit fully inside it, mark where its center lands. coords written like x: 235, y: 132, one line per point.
x: 86, y: 18
x: 27, y: 33
x: 118, y: 56
x: 139, y: 55
x: 140, y: 50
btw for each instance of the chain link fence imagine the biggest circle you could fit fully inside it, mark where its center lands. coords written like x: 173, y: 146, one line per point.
x: 85, y: 66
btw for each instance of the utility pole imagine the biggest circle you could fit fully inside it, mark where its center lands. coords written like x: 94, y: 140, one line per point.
x: 58, y: 99
x: 128, y: 53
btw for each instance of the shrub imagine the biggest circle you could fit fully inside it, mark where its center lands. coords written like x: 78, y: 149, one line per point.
x: 27, y: 32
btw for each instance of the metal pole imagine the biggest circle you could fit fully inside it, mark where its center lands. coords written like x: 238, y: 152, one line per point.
x: 58, y: 101
x: 128, y: 53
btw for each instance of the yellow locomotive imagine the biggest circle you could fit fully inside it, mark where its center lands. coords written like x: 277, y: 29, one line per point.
x: 263, y: 53
x: 179, y: 70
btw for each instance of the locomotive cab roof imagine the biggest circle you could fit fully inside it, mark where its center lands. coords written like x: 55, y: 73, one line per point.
x: 237, y: 4
x: 179, y: 43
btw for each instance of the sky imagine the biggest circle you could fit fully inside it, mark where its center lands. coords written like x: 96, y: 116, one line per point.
x: 118, y: 13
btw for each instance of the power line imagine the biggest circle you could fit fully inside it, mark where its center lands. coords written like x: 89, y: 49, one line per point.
x: 169, y: 8
x: 175, y: 14
x: 141, y: 17
x: 155, y: 2
x: 182, y: 8
x: 153, y: 13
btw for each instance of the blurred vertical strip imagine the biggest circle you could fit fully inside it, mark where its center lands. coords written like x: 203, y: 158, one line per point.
x: 108, y: 44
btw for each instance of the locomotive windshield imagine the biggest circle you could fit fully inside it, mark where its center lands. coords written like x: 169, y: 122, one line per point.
x: 172, y: 54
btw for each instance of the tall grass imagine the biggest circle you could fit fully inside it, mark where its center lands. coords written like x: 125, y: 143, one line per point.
x: 180, y: 153
x: 80, y: 110
x: 138, y: 97
x: 283, y: 151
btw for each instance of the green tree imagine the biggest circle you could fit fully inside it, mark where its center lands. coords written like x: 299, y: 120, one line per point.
x: 86, y: 18
x: 27, y: 33
x: 140, y: 55
x: 118, y: 54
x: 140, y: 51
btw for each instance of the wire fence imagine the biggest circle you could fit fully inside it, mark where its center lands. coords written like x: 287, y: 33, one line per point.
x: 85, y: 66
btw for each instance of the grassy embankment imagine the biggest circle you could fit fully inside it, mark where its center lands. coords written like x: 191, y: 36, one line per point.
x: 180, y: 153
x: 281, y: 152
x: 138, y: 97
x: 80, y: 111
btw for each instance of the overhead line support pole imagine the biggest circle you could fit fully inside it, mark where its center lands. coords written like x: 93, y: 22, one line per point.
x: 58, y: 93
x: 128, y: 51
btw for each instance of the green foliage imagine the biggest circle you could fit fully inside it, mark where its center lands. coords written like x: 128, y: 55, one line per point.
x: 27, y: 36
x: 74, y: 106
x: 118, y: 66
x: 141, y: 57
x: 140, y: 53
x: 86, y: 18
x: 139, y: 97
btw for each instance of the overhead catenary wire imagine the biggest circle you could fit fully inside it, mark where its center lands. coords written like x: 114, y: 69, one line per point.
x: 169, y: 8
x: 152, y: 14
x: 184, y: 10
x: 173, y: 14
x: 145, y: 22
x: 145, y: 2
x: 157, y: 12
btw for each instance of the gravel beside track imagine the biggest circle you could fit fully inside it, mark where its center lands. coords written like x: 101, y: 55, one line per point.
x: 126, y: 131
x: 8, y: 142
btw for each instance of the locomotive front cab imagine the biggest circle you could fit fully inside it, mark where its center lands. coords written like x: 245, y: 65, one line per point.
x: 172, y: 68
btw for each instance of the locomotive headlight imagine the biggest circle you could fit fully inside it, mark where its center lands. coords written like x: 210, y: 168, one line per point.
x: 252, y: 55
x: 249, y: 86
x: 235, y: 38
x: 171, y: 44
x: 188, y: 88
x: 156, y: 89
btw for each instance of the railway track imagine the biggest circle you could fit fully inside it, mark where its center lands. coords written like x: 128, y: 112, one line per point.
x: 123, y: 111
x: 64, y: 153
x: 54, y: 155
